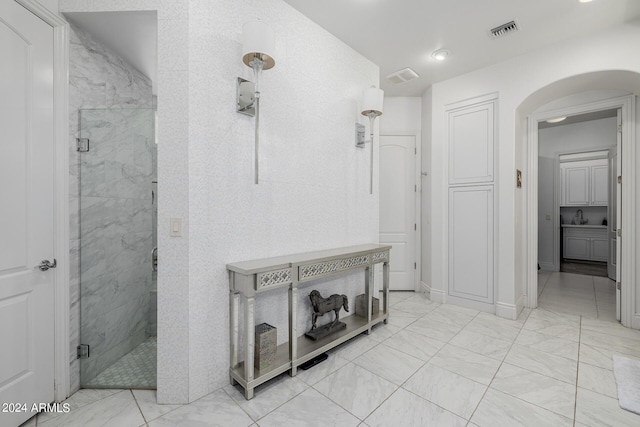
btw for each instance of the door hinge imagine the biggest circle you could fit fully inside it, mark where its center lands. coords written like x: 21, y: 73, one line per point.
x: 415, y: 188
x: 82, y: 351
x: 415, y: 150
x: 619, y: 286
x: 619, y: 232
x: 619, y: 128
x: 82, y: 144
x: 415, y: 227
x: 415, y: 265
x: 619, y: 179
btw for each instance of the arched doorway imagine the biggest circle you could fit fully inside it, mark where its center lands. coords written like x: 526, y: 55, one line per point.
x: 526, y: 113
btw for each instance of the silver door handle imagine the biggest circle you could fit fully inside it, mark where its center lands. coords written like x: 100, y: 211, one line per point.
x: 45, y: 264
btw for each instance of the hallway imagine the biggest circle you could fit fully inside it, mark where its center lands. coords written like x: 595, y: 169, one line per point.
x: 431, y: 365
x: 588, y: 296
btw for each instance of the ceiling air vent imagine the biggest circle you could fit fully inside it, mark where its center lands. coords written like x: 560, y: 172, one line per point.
x: 504, y: 29
x: 402, y: 76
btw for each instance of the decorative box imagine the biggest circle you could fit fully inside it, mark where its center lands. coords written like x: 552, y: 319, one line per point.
x: 361, y: 306
x: 265, y: 345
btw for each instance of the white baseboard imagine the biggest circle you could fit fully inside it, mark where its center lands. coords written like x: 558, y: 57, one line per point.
x: 508, y: 311
x: 424, y: 287
x: 635, y: 322
x: 437, y: 295
x: 548, y: 266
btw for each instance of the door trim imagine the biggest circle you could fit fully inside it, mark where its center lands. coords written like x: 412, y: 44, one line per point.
x: 417, y: 278
x: 628, y: 256
x: 61, y: 193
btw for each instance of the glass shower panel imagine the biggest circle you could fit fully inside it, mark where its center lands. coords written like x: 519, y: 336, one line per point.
x: 117, y: 237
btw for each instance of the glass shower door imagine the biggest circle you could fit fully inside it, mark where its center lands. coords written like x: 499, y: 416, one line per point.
x: 117, y: 211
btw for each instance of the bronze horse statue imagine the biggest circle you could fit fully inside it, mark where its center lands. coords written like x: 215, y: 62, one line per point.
x: 323, y: 305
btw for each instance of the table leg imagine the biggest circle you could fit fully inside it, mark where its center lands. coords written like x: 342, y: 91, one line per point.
x: 234, y: 303
x: 368, y: 292
x: 385, y: 290
x: 293, y: 328
x: 249, y: 338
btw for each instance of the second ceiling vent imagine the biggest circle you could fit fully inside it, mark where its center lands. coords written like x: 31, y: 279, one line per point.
x: 504, y: 29
x: 402, y: 76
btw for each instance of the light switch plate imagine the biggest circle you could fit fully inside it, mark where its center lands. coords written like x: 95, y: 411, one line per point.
x: 175, y: 229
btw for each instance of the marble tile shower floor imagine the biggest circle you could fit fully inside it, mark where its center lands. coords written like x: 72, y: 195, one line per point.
x: 432, y: 365
x: 135, y: 369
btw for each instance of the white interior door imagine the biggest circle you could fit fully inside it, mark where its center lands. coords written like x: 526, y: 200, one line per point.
x: 397, y: 208
x: 617, y: 216
x: 612, y: 211
x: 26, y: 210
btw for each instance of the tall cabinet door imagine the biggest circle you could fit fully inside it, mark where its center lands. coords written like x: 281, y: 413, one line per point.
x: 471, y: 142
x: 471, y: 243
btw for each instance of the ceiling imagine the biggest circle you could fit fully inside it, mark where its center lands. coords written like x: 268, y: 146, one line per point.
x: 579, y: 118
x: 132, y: 35
x: 396, y: 34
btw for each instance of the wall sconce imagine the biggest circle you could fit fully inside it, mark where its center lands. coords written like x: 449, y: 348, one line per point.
x: 372, y: 101
x: 258, y: 45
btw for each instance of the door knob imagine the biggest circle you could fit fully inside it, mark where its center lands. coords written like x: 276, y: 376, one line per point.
x: 46, y: 264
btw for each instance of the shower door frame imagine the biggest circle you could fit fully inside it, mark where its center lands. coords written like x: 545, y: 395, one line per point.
x: 61, y: 194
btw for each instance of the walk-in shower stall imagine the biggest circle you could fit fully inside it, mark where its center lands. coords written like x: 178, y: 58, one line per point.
x: 118, y: 208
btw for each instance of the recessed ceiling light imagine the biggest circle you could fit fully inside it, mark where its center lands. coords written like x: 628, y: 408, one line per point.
x: 556, y: 120
x: 585, y: 1
x: 441, y: 54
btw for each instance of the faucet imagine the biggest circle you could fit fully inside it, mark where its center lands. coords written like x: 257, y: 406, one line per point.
x: 579, y: 215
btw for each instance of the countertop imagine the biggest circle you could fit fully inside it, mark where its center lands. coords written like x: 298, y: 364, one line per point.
x: 583, y: 226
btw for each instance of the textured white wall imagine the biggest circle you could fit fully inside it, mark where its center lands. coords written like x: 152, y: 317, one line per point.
x: 314, y: 183
x: 313, y: 192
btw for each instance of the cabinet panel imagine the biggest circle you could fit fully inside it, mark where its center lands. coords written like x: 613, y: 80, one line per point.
x: 599, y: 250
x: 576, y: 247
x: 599, y: 185
x: 471, y: 140
x: 576, y: 190
x: 585, y: 183
x: 471, y: 256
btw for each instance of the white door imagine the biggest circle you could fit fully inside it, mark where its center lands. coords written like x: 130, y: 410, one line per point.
x: 612, y: 212
x: 617, y: 161
x: 397, y: 208
x: 26, y: 210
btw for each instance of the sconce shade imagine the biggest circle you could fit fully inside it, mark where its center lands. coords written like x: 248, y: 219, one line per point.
x: 372, y: 100
x: 258, y: 39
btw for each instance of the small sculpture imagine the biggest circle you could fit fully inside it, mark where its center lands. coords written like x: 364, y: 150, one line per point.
x: 324, y: 305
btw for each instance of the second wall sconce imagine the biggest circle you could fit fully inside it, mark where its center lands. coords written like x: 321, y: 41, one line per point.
x: 372, y: 102
x: 258, y: 45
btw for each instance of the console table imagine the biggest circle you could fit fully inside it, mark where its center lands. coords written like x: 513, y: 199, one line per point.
x: 250, y: 278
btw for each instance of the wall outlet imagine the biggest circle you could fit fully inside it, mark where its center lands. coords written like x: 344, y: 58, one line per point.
x: 548, y: 217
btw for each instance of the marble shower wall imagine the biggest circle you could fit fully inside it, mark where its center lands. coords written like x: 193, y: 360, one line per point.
x: 116, y: 232
x: 98, y: 79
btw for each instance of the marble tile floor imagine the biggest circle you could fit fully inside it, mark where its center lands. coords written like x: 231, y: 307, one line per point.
x: 587, y: 296
x: 432, y: 365
x: 135, y: 369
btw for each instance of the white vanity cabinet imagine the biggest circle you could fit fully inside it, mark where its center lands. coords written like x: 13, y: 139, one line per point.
x: 584, y: 183
x: 588, y: 243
